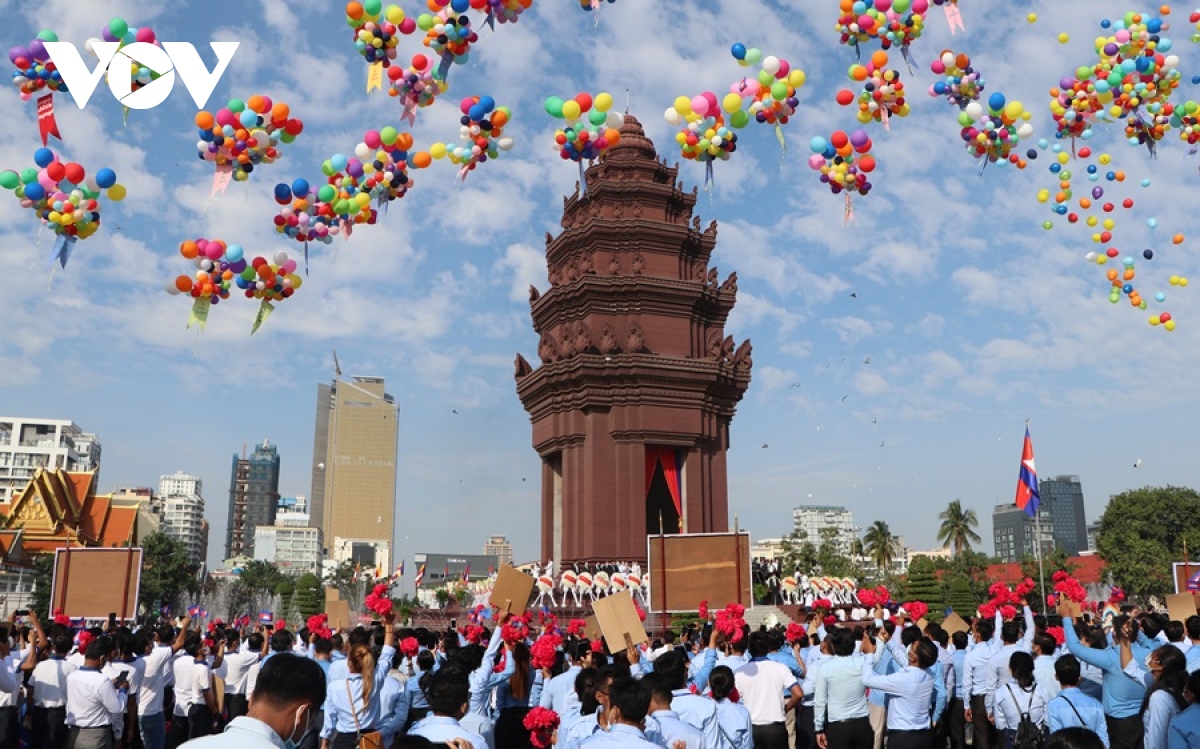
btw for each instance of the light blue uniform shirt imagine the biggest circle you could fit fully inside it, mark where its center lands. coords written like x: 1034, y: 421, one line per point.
x: 483, y: 680
x: 1122, y: 695
x: 554, y: 694
x: 664, y: 728
x: 811, y: 674
x: 338, y: 715
x: 1193, y: 658
x: 840, y: 692
x: 736, y: 727
x: 578, y: 731
x: 619, y: 736
x: 393, y: 705
x: 960, y: 657
x: 910, y: 691
x: 698, y: 712
x: 1185, y: 729
x: 787, y: 658
x: 1091, y: 715
x: 439, y: 728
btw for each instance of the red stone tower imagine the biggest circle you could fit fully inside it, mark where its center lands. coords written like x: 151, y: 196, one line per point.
x: 638, y: 382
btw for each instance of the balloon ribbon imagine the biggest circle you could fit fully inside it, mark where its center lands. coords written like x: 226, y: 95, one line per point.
x: 199, y: 313
x: 582, y: 180
x: 264, y: 311
x: 953, y: 17
x: 779, y: 137
x: 444, y: 65
x: 848, y: 212
x: 45, y: 114
x: 375, y: 76
x: 63, y: 244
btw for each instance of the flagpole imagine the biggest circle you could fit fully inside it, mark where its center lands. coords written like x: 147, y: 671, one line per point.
x: 1037, y: 520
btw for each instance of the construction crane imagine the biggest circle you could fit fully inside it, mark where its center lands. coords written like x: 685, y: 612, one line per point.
x: 337, y: 368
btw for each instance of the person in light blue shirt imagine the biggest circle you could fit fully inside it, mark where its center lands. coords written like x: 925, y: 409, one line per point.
x: 697, y: 711
x: 352, y: 704
x: 736, y: 657
x: 414, y: 688
x: 733, y: 720
x: 780, y: 653
x: 1165, y: 678
x: 513, y: 698
x: 591, y: 689
x: 910, y: 691
x: 393, y: 700
x: 1192, y: 627
x: 840, y: 703
x: 663, y: 725
x: 556, y: 690
x: 1122, y: 696
x: 1072, y: 707
x: 1184, y: 732
x: 629, y: 701
x: 448, y: 693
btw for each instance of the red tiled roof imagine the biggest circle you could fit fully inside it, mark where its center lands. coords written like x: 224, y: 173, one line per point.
x: 1088, y: 570
x: 92, y: 517
x: 118, y: 531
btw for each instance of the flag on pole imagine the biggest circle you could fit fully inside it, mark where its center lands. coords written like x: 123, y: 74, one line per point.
x: 466, y: 575
x: 378, y: 571
x: 446, y: 572
x: 193, y: 610
x: 1028, y: 498
x: 1193, y: 583
x: 399, y: 573
x: 420, y: 575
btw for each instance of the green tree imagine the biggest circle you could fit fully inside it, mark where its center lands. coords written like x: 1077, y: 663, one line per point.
x: 443, y: 597
x: 797, y: 553
x: 1143, y: 530
x: 43, y: 579
x: 923, y: 585
x: 264, y: 577
x: 309, y: 595
x: 881, y: 546
x: 958, y: 528
x: 166, y: 574
x: 960, y: 596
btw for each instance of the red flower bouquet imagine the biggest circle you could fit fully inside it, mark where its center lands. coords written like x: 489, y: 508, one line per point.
x: 702, y: 611
x: 541, y: 723
x: 1057, y: 633
x: 916, y: 610
x: 319, y: 626
x: 795, y: 633
x: 410, y: 647
x: 868, y: 597
x: 575, y: 627
x: 544, y: 651
x: 379, y: 600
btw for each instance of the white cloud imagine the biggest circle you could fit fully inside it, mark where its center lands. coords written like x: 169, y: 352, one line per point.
x: 527, y: 266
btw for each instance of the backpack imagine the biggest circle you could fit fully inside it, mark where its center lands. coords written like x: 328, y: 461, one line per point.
x: 1029, y: 734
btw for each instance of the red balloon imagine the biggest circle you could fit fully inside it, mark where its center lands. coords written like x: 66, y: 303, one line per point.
x: 845, y: 96
x: 75, y: 173
x: 839, y: 139
x: 56, y: 171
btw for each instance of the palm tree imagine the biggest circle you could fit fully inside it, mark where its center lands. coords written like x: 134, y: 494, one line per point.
x: 880, y: 545
x: 958, y: 528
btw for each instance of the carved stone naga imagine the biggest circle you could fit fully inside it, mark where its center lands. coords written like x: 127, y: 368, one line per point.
x: 608, y: 340
x: 730, y: 284
x: 534, y: 294
x: 523, y: 369
x: 741, y: 357
x: 720, y: 349
x: 548, y: 349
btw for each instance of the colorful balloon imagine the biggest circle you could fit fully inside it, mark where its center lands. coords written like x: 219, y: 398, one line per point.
x: 481, y: 136
x: 244, y: 135
x: 962, y: 85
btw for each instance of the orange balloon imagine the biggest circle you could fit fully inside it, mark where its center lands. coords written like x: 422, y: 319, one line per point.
x: 879, y: 58
x: 421, y: 159
x: 962, y: 61
x: 1112, y: 274
x: 204, y: 120
x: 404, y: 141
x: 256, y: 104
x: 354, y: 10
x: 499, y: 118
x: 183, y: 283
x: 189, y: 249
x: 847, y: 5
x: 280, y: 111
x: 1177, y: 239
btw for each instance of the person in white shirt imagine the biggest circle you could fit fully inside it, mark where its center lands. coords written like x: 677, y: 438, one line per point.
x: 1019, y: 696
x: 195, y: 704
x: 1014, y: 642
x: 283, y: 709
x: 124, y: 667
x: 48, y: 688
x: 92, y: 700
x: 237, y: 664
x: 910, y: 690
x: 10, y: 691
x: 762, y: 685
x: 1044, y: 648
x: 157, y: 661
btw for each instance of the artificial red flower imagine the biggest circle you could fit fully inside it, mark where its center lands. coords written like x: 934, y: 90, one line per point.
x: 702, y: 611
x: 514, y: 631
x: 1025, y: 587
x: 319, y: 626
x: 410, y: 647
x: 541, y: 723
x: 882, y: 595
x: 822, y: 604
x: 829, y: 620
x: 1117, y: 596
x: 729, y: 622
x: 916, y: 610
x: 999, y: 591
x: 1057, y: 633
x: 575, y: 627
x: 868, y: 597
x: 379, y: 600
x: 641, y: 614
x: 1059, y: 576
x: 1008, y: 611
x: 795, y: 633
x: 280, y: 624
x: 597, y: 646
x: 987, y: 610
x: 474, y: 633
x: 544, y: 651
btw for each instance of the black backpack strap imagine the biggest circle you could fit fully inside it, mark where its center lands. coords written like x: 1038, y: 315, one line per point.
x: 1077, y: 715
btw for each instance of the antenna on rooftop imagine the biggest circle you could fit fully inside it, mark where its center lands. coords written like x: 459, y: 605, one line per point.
x: 337, y: 368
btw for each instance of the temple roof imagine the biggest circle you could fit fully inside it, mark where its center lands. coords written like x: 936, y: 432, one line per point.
x: 59, y: 509
x: 633, y: 144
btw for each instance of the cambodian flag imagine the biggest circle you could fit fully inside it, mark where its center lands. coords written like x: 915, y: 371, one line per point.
x: 266, y: 617
x: 1028, y: 498
x: 1193, y: 583
x: 193, y: 610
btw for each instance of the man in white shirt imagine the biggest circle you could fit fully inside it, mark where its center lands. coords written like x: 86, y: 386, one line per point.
x: 48, y: 685
x: 975, y: 683
x: 288, y: 696
x: 237, y: 666
x: 92, y: 700
x: 10, y: 690
x: 997, y: 670
x: 195, y: 705
x: 762, y: 684
x: 1044, y: 647
x: 157, y: 661
x: 126, y: 667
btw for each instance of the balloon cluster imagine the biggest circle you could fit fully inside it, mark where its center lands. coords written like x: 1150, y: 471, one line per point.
x: 450, y: 35
x: 35, y: 72
x: 416, y: 87
x: 217, y: 264
x: 118, y: 30
x: 1074, y: 104
x: 1096, y: 209
x: 704, y: 135
x: 882, y: 93
x: 771, y: 94
x: 993, y: 135
x: 892, y: 22
x: 245, y: 134
x: 1187, y: 120
x: 590, y: 5
x: 844, y: 161
x: 590, y: 127
x: 384, y: 155
x: 502, y: 11
x: 62, y: 194
x: 377, y: 30
x: 271, y: 281
x: 481, y: 133
x: 318, y: 215
x: 962, y: 85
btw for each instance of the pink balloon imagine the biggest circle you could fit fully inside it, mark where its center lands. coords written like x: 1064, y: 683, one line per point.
x: 883, y: 5
x: 784, y: 67
x: 700, y: 105
x: 714, y: 106
x: 866, y: 23
x: 816, y: 161
x: 145, y: 35
x: 372, y: 139
x: 920, y: 6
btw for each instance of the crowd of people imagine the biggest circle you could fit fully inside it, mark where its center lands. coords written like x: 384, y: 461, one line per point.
x: 1131, y: 681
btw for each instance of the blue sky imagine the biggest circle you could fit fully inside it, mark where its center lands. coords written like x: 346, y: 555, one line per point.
x: 969, y: 317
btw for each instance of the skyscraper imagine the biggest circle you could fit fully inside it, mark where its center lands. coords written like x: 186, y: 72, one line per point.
x: 354, y: 463
x: 253, y: 498
x: 29, y: 444
x: 183, y: 512
x: 820, y: 521
x: 1063, y: 496
x: 1014, y: 532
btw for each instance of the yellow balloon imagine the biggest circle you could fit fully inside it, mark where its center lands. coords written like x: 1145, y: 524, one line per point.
x: 683, y: 105
x: 796, y: 78
x: 571, y: 110
x: 1043, y: 196
x: 438, y: 150
x: 116, y: 193
x: 1109, y: 224
x: 395, y: 14
x: 1063, y: 38
x: 602, y: 102
x: 731, y: 103
x: 1169, y: 325
x: 1013, y: 109
x: 1032, y: 17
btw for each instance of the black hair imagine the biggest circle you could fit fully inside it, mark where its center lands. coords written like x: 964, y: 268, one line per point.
x: 63, y: 644
x: 470, y: 657
x: 986, y: 628
x: 1152, y: 624
x: 165, y: 634
x: 721, y: 681
x: 960, y: 640
x: 660, y: 690
x: 1174, y: 630
x: 448, y: 690
x: 1067, y: 670
x: 938, y: 635
x: 926, y: 654
x: 842, y: 641
x: 1193, y: 685
x: 255, y: 641
x: 286, y: 679
x: 1172, y: 678
x: 192, y: 643
x: 585, y: 689
x: 413, y: 741
x: 338, y: 641
x: 581, y: 651
x: 909, y: 635
x: 426, y: 660
x: 672, y: 668
x: 359, y: 636
x: 1046, y: 644
x: 1010, y: 632
x: 1074, y: 738
x: 281, y: 641
x: 1021, y: 667
x: 760, y: 645
x: 98, y: 648
x: 323, y: 646
x: 631, y: 697
x: 232, y: 638
x: 1192, y: 625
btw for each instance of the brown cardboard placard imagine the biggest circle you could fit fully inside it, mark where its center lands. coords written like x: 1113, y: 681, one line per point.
x: 591, y: 628
x: 1180, y: 606
x: 512, y: 590
x: 955, y: 623
x: 922, y: 623
x: 218, y: 687
x: 339, y: 614
x: 683, y: 570
x: 92, y: 583
x: 332, y: 594
x: 618, y: 617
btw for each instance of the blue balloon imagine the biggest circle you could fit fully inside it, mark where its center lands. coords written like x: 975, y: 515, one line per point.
x: 738, y: 50
x: 43, y: 157
x: 338, y: 161
x: 460, y: 6
x: 487, y: 102
x: 106, y: 178
x: 249, y: 118
x: 996, y: 101
x: 299, y: 187
x: 1105, y: 24
x: 34, y: 191
x: 1195, y: 79
x: 283, y: 193
x: 234, y: 253
x: 818, y: 144
x: 1148, y: 254
x: 476, y: 112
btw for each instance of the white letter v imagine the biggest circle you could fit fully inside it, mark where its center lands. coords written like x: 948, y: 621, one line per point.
x: 80, y: 81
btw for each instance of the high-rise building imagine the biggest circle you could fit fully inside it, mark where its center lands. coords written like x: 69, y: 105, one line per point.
x: 292, y: 549
x: 253, y: 498
x: 1093, y: 530
x: 1063, y: 496
x: 183, y: 518
x: 819, y: 523
x: 179, y: 484
x: 1014, y: 533
x: 292, y: 512
x: 29, y: 444
x: 354, y: 463
x: 499, y: 547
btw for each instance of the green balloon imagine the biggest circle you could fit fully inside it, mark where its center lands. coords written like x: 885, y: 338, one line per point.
x: 388, y: 135
x: 325, y: 193
x: 596, y: 117
x: 740, y: 118
x: 287, y: 137
x: 46, y: 35
x: 9, y: 179
x: 753, y: 55
x: 248, y: 274
x: 964, y: 119
x: 118, y: 28
x: 554, y: 107
x: 341, y: 206
x: 779, y: 90
x: 1083, y: 72
x: 765, y: 78
x: 901, y: 6
x: 372, y: 7
x: 236, y: 106
x: 425, y: 22
x: 29, y: 176
x: 327, y: 168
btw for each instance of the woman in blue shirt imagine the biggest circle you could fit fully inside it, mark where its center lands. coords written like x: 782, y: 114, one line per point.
x: 353, y: 705
x: 418, y: 705
x: 733, y: 720
x: 512, y: 700
x: 1164, y: 698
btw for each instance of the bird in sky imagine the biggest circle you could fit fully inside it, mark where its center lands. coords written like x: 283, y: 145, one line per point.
x: 854, y: 295
x: 765, y: 445
x: 1137, y: 463
x: 844, y: 397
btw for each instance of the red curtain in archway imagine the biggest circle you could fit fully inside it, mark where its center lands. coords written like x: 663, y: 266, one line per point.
x: 671, y: 461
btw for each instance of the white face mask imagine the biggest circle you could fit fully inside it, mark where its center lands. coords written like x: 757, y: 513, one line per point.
x: 300, y: 724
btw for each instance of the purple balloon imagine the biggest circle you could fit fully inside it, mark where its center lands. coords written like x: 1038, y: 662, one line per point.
x: 1111, y: 49
x: 17, y: 52
x: 106, y: 36
x: 38, y: 50
x: 1097, y: 193
x: 1066, y: 84
x: 859, y: 138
